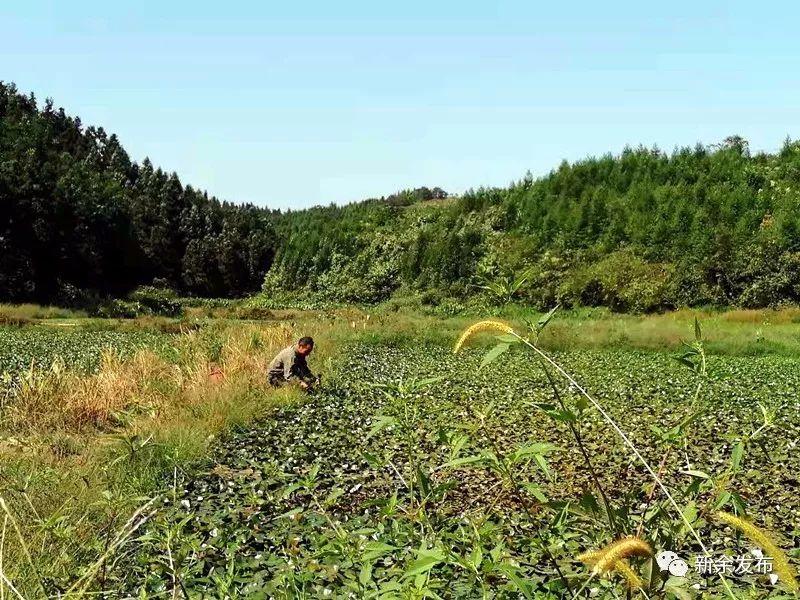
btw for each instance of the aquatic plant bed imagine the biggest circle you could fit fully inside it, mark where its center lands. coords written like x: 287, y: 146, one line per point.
x: 39, y: 346
x: 385, y: 483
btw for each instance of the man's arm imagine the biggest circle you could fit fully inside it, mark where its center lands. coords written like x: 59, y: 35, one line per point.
x: 302, y: 372
x: 305, y: 372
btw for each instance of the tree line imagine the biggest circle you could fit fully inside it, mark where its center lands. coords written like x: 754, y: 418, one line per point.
x: 643, y: 230
x: 78, y: 216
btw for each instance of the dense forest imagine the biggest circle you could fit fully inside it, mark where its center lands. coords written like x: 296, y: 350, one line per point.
x: 642, y: 231
x: 645, y: 230
x: 78, y: 216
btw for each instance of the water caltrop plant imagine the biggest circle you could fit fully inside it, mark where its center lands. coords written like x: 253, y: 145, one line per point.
x: 697, y: 505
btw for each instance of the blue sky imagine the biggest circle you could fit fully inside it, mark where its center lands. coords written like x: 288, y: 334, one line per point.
x: 295, y: 104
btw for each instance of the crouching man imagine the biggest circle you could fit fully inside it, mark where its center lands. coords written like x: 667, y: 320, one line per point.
x: 290, y: 365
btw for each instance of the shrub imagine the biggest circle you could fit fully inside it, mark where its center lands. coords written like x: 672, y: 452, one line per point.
x: 449, y: 307
x: 72, y: 296
x: 768, y: 277
x: 145, y: 301
x: 402, y: 300
x: 254, y: 313
x: 116, y: 309
x: 194, y: 302
x: 157, y: 301
x: 621, y: 281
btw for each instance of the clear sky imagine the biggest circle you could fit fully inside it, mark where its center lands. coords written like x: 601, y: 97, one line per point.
x: 290, y: 104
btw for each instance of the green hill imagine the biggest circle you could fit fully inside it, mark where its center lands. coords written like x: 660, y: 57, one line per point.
x: 643, y: 230
x: 640, y: 231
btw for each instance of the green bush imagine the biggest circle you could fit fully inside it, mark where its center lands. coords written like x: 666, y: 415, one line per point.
x: 194, y: 302
x: 116, y: 309
x: 622, y: 281
x: 449, y: 307
x: 145, y: 301
x: 367, y: 278
x: 253, y: 313
x: 769, y: 280
x: 402, y: 300
x: 156, y: 301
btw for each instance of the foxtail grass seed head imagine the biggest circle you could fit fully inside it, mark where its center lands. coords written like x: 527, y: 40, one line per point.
x: 633, y: 580
x: 629, y: 546
x: 780, y: 562
x: 620, y: 566
x: 478, y: 327
x: 590, y: 557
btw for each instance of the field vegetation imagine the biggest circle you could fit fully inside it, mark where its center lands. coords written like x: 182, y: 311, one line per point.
x: 147, y: 457
x: 531, y: 455
x: 93, y: 415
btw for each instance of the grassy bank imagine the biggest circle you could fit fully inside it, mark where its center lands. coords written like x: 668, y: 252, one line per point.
x: 80, y: 450
x: 731, y: 333
x: 735, y: 332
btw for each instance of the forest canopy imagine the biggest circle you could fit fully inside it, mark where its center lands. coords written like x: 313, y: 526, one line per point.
x: 643, y: 230
x: 79, y: 215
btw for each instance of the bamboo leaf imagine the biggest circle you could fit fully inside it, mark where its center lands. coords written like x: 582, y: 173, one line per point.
x: 542, y: 462
x: 545, y: 319
x: 464, y: 460
x: 508, y: 338
x: 696, y: 473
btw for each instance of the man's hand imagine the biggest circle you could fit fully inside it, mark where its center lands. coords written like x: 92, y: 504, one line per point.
x: 304, y: 385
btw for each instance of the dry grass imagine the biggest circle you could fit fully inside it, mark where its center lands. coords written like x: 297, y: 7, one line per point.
x: 76, y: 451
x: 789, y: 314
x: 735, y: 332
x: 59, y: 399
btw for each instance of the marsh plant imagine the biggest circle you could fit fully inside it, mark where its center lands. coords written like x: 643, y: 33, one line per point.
x: 670, y: 518
x: 393, y: 484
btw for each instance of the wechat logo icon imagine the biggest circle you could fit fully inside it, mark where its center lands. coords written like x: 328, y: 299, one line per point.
x: 671, y: 562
